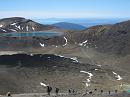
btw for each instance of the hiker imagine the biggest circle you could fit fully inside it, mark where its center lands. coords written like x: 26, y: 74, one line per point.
x: 109, y: 92
x: 101, y: 91
x: 95, y: 89
x: 90, y: 92
x: 115, y: 91
x: 69, y: 91
x: 57, y: 91
x: 73, y: 91
x: 49, y: 89
x: 9, y: 94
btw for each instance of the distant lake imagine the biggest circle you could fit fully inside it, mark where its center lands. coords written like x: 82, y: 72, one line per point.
x: 31, y: 34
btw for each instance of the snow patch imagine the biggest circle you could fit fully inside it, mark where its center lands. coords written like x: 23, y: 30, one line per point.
x: 96, y: 69
x: 31, y: 54
x: 13, y: 24
x: 3, y: 30
x: 83, y: 43
x: 1, y: 25
x: 42, y: 45
x: 117, y: 76
x: 75, y: 59
x: 90, y: 74
x: 54, y: 66
x: 55, y: 46
x: 99, y: 65
x: 87, y: 82
x: 13, y: 30
x: 19, y: 27
x: 16, y: 26
x: 59, y: 55
x: 66, y: 41
x: 42, y: 84
x: 27, y: 28
x: 49, y: 57
x: 33, y: 28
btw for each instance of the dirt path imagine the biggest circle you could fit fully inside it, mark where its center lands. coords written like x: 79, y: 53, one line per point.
x: 67, y: 95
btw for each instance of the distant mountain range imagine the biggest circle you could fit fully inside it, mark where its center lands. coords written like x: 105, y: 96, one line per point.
x: 69, y: 26
x: 87, y: 22
x: 19, y: 24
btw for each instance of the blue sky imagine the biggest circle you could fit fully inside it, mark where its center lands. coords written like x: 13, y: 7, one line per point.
x: 65, y: 8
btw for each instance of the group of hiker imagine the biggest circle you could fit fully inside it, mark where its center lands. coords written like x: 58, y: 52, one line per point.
x: 70, y: 91
x: 73, y: 91
x: 101, y: 92
x: 49, y: 89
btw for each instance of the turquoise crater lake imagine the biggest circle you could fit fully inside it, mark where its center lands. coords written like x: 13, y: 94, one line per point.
x: 31, y: 34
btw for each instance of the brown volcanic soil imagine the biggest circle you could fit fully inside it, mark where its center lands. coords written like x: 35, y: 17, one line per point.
x: 117, y: 39
x: 21, y: 73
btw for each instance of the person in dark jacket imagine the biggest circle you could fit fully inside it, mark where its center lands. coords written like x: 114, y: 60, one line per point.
x: 69, y: 91
x: 101, y: 91
x: 8, y: 94
x: 49, y: 89
x: 57, y: 91
x: 116, y: 91
x: 109, y: 92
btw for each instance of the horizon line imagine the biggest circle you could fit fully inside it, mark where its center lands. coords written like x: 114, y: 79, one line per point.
x: 27, y: 17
